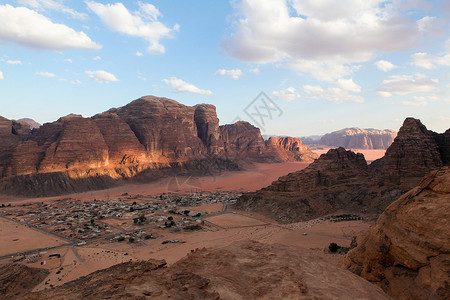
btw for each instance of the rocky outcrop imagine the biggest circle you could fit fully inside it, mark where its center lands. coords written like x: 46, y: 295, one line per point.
x: 242, y: 270
x: 17, y: 280
x: 30, y: 122
x: 289, y: 149
x: 407, y: 251
x: 314, y: 191
x: 341, y: 180
x: 146, y: 139
x: 357, y: 138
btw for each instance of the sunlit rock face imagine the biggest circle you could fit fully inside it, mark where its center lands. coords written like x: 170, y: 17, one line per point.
x: 150, y: 137
x: 407, y: 252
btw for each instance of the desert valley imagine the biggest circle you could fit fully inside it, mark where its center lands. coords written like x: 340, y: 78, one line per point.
x: 117, y: 206
x: 237, y: 149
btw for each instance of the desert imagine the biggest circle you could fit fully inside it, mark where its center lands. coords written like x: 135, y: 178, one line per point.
x: 237, y: 149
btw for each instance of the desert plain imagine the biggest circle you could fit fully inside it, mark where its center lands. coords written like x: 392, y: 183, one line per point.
x: 104, y: 241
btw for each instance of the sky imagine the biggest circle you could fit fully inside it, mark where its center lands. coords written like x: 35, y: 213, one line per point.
x: 322, y: 65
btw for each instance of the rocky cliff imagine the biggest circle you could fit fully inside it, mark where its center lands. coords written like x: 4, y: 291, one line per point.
x: 341, y: 180
x: 145, y: 139
x: 357, y: 138
x: 407, y: 252
x: 242, y: 270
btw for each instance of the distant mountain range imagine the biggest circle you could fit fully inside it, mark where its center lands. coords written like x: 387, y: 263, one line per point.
x: 354, y: 138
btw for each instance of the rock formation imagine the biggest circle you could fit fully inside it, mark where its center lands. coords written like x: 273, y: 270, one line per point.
x: 357, y: 138
x: 341, y: 180
x: 30, y: 122
x: 17, y: 280
x: 146, y: 139
x: 243, y: 270
x: 407, y: 252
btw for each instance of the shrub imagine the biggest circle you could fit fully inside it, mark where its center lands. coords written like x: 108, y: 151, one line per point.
x: 333, y: 247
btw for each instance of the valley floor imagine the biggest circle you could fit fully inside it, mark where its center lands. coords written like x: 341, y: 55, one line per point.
x: 219, y: 228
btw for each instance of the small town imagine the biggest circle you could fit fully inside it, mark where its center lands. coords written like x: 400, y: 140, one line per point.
x: 129, y: 218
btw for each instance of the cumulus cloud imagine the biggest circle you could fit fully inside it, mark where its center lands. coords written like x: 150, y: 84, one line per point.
x: 53, y: 5
x: 97, y: 58
x: 143, y: 23
x: 407, y: 84
x: 385, y: 65
x: 316, y: 37
x: 429, y: 61
x: 348, y: 85
x: 1, y: 75
x: 139, y: 53
x: 69, y: 60
x: 234, y: 73
x: 101, y: 76
x: 76, y: 82
x: 28, y: 28
x: 181, y: 86
x: 287, y: 95
x: 331, y: 94
x: 45, y: 74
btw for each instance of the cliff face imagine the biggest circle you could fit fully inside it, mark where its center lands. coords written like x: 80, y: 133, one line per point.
x: 342, y: 180
x: 148, y: 138
x: 407, y: 252
x: 357, y: 138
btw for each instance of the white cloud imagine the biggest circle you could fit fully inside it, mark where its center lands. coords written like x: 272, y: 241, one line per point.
x: 28, y: 28
x: 407, y: 84
x: 415, y: 104
x: 76, y: 82
x: 430, y: 25
x: 331, y: 94
x: 101, y: 76
x: 139, y: 53
x: 97, y: 58
x: 322, y: 38
x: 143, y: 23
x: 287, y: 95
x: 69, y: 60
x: 385, y: 65
x: 45, y: 74
x: 53, y: 5
x: 255, y: 71
x: 12, y: 62
x: 348, y: 85
x: 1, y: 75
x: 429, y: 61
x: 234, y: 73
x: 181, y: 86
x: 322, y: 70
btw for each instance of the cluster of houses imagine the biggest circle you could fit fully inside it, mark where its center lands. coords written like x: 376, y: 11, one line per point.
x: 117, y: 219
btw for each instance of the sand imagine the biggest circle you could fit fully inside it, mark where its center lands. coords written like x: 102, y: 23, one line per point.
x: 370, y: 155
x: 257, y: 177
x: 19, y: 238
x: 218, y: 231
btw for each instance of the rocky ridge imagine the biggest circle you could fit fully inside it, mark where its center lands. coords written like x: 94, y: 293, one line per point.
x: 342, y: 180
x: 242, y: 270
x: 407, y: 251
x: 355, y: 138
x: 145, y: 139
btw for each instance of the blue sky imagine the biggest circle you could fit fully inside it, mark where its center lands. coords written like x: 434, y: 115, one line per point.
x: 326, y: 64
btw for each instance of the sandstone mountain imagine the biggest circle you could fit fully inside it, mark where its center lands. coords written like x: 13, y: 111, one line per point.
x: 243, y: 270
x: 407, y: 252
x: 342, y: 180
x: 355, y: 138
x: 146, y: 139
